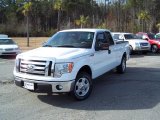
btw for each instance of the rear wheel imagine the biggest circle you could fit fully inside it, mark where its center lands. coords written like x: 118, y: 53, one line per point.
x: 154, y: 48
x: 122, y: 67
x: 83, y: 86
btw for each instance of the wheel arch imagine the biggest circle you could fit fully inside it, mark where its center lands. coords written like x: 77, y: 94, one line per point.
x: 124, y: 55
x: 86, y: 69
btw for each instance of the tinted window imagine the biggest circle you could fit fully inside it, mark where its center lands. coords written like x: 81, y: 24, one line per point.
x: 101, y: 38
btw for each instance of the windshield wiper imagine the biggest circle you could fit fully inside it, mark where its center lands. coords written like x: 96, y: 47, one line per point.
x: 66, y: 46
x: 47, y: 46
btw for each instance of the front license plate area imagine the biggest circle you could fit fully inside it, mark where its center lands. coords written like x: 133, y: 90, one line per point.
x: 29, y: 86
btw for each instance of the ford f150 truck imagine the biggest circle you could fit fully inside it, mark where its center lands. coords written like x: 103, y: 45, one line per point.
x: 136, y: 44
x: 70, y: 60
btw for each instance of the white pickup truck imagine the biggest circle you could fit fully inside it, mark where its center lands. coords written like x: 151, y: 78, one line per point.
x: 70, y: 60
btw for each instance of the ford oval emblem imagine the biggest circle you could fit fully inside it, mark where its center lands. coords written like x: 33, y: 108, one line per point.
x: 30, y: 68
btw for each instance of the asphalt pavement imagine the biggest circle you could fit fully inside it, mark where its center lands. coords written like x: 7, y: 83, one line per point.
x: 134, y: 95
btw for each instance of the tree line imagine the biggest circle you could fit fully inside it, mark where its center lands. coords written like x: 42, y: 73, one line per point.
x: 45, y: 17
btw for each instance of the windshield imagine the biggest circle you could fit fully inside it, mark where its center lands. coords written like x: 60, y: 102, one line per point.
x: 115, y: 36
x: 6, y: 42
x: 151, y: 36
x: 74, y: 39
x: 157, y: 36
x: 130, y: 36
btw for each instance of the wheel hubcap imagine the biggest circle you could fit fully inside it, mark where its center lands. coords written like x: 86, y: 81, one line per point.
x: 82, y: 87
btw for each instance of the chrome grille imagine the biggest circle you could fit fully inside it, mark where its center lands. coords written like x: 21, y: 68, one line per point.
x: 144, y: 44
x: 9, y: 49
x: 36, y: 67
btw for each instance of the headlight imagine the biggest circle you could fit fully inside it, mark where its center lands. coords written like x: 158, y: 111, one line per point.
x: 137, y: 44
x: 17, y: 65
x: 16, y: 48
x: 62, y: 68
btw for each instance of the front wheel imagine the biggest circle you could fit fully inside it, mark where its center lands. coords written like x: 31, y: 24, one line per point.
x: 83, y: 86
x: 122, y: 67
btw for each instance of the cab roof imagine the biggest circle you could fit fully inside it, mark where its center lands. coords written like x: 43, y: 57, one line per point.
x: 85, y: 30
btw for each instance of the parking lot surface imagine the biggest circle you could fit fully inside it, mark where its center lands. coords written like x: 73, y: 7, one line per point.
x: 134, y: 95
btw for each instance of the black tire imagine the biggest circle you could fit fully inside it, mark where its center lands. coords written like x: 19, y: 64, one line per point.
x: 131, y: 49
x: 122, y: 67
x: 144, y: 52
x: 83, y: 86
x: 154, y: 48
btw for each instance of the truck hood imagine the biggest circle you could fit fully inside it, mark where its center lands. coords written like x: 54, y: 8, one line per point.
x: 54, y: 52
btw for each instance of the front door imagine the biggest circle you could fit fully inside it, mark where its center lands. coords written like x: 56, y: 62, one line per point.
x: 103, y: 59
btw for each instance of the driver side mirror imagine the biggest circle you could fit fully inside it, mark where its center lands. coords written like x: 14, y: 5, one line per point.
x: 144, y: 37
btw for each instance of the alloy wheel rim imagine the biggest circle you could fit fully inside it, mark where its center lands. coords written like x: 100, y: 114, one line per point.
x: 82, y: 86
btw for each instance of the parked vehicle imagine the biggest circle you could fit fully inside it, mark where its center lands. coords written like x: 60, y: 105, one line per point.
x: 157, y: 36
x: 150, y: 37
x: 3, y: 36
x: 8, y: 46
x: 135, y: 43
x: 70, y: 60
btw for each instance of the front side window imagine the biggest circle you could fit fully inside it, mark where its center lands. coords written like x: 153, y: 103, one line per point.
x: 109, y: 38
x: 76, y: 39
x: 101, y: 38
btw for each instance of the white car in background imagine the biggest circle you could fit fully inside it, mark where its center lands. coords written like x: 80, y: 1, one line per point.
x: 136, y: 44
x: 8, y: 46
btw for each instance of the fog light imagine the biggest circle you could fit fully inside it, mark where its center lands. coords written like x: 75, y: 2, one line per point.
x: 59, y: 87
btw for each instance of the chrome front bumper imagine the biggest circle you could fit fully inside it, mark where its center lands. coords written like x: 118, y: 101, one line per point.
x: 57, y: 87
x: 142, y: 49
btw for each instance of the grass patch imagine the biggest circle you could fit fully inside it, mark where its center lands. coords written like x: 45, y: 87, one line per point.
x: 34, y: 42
